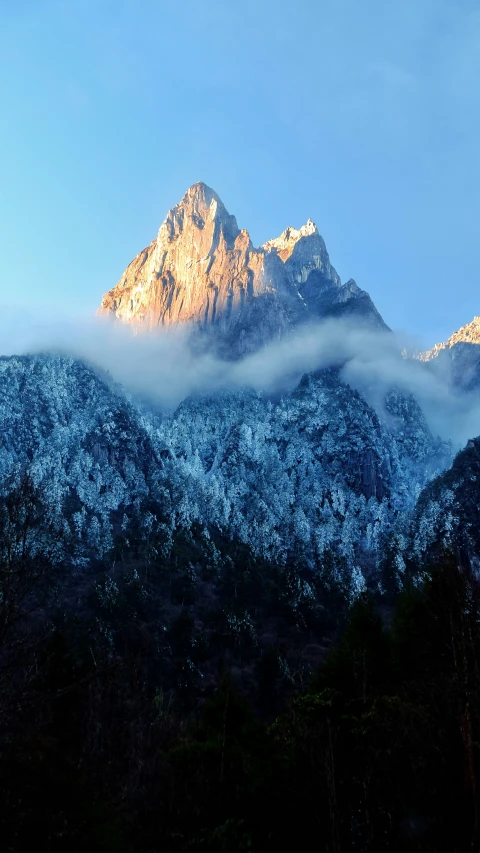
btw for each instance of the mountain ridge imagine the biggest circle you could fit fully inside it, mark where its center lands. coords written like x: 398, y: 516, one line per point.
x: 469, y: 333
x: 204, y: 271
x: 458, y: 358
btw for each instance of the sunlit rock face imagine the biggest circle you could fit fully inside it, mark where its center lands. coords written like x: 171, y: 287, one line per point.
x: 459, y: 357
x: 468, y: 334
x: 204, y: 271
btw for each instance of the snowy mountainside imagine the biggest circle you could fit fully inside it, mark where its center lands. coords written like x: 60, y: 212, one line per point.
x: 447, y: 513
x: 316, y: 471
x: 81, y: 443
x: 458, y: 357
x: 470, y: 334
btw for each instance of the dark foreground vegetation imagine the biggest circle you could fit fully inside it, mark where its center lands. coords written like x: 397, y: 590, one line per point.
x: 151, y: 706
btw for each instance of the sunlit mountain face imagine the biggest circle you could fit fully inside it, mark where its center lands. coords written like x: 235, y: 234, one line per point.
x: 202, y: 270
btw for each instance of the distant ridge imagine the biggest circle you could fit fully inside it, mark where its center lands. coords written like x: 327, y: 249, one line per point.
x: 470, y: 334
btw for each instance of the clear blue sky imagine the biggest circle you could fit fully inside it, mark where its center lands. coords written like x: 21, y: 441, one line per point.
x: 362, y: 115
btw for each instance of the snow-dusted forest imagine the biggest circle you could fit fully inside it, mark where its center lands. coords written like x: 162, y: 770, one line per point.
x: 295, y: 477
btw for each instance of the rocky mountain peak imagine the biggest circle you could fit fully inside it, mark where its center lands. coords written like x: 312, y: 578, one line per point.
x: 203, y: 270
x: 303, y: 250
x: 199, y: 208
x: 468, y: 334
x: 285, y: 244
x: 459, y: 356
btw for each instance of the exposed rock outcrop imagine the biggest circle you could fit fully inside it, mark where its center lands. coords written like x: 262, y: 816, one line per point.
x: 302, y: 251
x: 459, y: 357
x: 203, y: 270
x: 468, y: 334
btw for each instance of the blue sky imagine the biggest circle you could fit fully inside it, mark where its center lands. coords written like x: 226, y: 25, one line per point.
x: 363, y: 116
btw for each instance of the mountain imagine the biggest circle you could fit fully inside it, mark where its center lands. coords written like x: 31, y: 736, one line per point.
x: 459, y: 356
x: 163, y: 579
x: 468, y: 334
x: 315, y: 473
x: 448, y: 514
x: 300, y: 479
x: 83, y: 446
x: 146, y: 555
x: 202, y: 270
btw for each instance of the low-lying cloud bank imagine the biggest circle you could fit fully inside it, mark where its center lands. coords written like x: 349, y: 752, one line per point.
x: 163, y: 368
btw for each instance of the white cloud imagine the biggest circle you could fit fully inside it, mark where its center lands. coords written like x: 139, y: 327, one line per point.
x: 163, y: 369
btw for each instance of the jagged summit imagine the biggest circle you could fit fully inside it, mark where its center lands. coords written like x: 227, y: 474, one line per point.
x: 285, y: 244
x: 201, y: 189
x: 468, y: 334
x: 303, y: 250
x: 459, y: 356
x: 200, y: 205
x: 202, y: 270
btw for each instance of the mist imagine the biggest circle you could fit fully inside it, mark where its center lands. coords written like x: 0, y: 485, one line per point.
x: 163, y: 368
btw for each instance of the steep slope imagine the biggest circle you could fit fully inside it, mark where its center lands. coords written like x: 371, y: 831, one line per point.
x: 303, y: 250
x: 203, y: 271
x: 459, y: 357
x: 317, y: 472
x: 306, y: 260
x: 448, y: 511
x: 469, y: 334
x: 83, y: 446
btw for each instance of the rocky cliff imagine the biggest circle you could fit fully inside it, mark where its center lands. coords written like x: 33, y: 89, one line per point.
x: 459, y: 357
x: 202, y: 270
x: 468, y: 334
